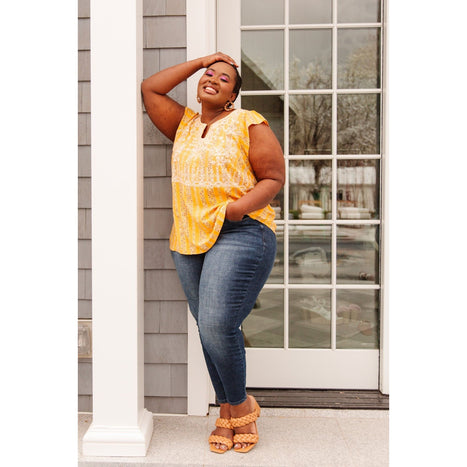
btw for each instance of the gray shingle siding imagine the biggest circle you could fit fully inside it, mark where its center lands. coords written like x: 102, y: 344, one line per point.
x: 165, y: 317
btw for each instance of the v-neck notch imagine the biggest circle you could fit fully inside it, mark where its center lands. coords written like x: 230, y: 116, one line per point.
x: 207, y: 126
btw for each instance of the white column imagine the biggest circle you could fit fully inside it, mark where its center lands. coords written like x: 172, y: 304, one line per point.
x: 121, y: 426
x: 201, y: 41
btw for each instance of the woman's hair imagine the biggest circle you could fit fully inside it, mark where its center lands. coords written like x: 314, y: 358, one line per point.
x: 238, y: 79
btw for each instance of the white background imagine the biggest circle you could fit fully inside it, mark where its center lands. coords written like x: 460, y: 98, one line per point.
x: 38, y: 86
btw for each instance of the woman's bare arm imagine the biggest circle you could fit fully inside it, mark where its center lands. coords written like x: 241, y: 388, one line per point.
x: 267, y: 161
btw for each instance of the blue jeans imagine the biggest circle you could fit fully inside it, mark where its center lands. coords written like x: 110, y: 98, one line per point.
x: 221, y: 286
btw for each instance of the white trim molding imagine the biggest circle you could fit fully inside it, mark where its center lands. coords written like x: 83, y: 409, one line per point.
x: 201, y: 41
x: 121, y: 426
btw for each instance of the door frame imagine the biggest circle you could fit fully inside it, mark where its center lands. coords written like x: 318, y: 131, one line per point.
x: 201, y: 15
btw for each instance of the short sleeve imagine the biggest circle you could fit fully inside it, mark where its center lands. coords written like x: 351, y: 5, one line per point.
x: 188, y: 115
x: 254, y: 118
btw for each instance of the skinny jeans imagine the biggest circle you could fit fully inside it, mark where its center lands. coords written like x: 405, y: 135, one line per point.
x: 221, y: 286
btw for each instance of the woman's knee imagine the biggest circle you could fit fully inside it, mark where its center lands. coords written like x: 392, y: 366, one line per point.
x: 215, y: 330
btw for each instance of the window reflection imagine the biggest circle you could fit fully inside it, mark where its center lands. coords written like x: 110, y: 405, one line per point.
x: 358, y: 124
x: 262, y: 12
x: 310, y: 254
x: 262, y: 60
x: 301, y: 12
x: 271, y: 108
x: 277, y: 273
x: 310, y: 124
x: 358, y: 11
x: 357, y: 254
x: 358, y: 58
x: 310, y: 189
x: 357, y: 189
x: 310, y: 319
x: 357, y: 319
x: 310, y: 59
x: 264, y: 326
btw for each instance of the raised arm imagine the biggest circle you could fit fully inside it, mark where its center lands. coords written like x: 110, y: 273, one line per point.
x: 163, y: 111
x: 267, y: 161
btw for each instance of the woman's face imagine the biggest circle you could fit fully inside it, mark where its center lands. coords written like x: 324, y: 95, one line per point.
x: 217, y: 83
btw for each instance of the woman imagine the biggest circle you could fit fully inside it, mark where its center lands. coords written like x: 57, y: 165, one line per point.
x: 227, y: 166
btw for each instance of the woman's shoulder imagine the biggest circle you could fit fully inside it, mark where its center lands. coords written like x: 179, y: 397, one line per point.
x: 189, y: 114
x: 251, y: 117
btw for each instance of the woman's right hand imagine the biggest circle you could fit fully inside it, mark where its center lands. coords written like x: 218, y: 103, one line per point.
x: 218, y: 56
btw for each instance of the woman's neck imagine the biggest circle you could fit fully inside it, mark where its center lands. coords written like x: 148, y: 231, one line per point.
x: 210, y: 114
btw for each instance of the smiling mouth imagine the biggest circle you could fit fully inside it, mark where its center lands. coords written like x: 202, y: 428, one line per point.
x: 210, y: 90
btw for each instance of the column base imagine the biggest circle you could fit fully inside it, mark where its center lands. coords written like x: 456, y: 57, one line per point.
x: 120, y: 441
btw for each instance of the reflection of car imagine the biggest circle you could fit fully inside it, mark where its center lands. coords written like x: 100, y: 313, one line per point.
x: 311, y: 261
x: 353, y: 264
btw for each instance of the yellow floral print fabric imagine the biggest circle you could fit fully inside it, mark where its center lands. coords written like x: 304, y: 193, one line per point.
x: 207, y: 174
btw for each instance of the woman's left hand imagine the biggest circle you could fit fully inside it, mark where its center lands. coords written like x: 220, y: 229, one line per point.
x: 232, y: 214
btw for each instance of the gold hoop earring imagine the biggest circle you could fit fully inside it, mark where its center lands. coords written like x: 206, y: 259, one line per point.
x: 228, y: 106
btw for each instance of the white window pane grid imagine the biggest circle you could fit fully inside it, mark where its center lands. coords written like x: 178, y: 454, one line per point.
x: 334, y: 157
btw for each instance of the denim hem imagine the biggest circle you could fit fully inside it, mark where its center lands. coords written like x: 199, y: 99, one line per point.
x: 240, y: 402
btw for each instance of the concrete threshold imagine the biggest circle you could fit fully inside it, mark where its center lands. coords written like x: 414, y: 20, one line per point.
x: 288, y: 437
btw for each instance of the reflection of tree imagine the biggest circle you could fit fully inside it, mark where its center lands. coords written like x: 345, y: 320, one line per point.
x: 310, y: 120
x: 310, y: 115
x: 357, y: 124
x: 310, y: 124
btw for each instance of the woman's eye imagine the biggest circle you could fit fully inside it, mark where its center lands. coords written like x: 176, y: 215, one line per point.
x: 225, y: 80
x: 209, y: 73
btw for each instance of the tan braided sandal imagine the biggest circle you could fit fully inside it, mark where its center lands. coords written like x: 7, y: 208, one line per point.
x: 250, y: 438
x: 218, y: 439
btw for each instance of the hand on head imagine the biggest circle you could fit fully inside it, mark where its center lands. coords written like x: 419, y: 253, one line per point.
x: 218, y: 56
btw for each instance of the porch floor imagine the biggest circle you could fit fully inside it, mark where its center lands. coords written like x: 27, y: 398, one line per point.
x: 288, y: 437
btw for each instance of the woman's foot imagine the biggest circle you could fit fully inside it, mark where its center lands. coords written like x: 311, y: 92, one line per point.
x: 248, y: 408
x: 223, y: 430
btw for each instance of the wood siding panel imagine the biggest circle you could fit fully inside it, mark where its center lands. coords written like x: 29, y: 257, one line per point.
x: 154, y: 7
x: 152, y: 312
x: 165, y: 348
x: 151, y: 134
x: 157, y: 380
x: 84, y: 129
x: 84, y: 65
x: 157, y: 223
x: 155, y: 161
x: 151, y: 62
x: 85, y: 284
x: 165, y: 380
x: 84, y: 97
x: 84, y: 8
x: 84, y: 224
x: 157, y: 192
x: 164, y: 31
x: 84, y: 403
x: 157, y: 255
x: 166, y: 404
x: 84, y: 192
x: 84, y: 254
x: 175, y: 7
x: 84, y: 34
x: 84, y: 378
x: 84, y: 309
x: 173, y: 317
x: 162, y: 285
x: 84, y: 161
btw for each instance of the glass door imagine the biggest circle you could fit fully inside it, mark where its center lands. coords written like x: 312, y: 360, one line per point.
x: 313, y: 69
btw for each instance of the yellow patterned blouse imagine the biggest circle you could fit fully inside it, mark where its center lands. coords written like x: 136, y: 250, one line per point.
x: 207, y: 174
